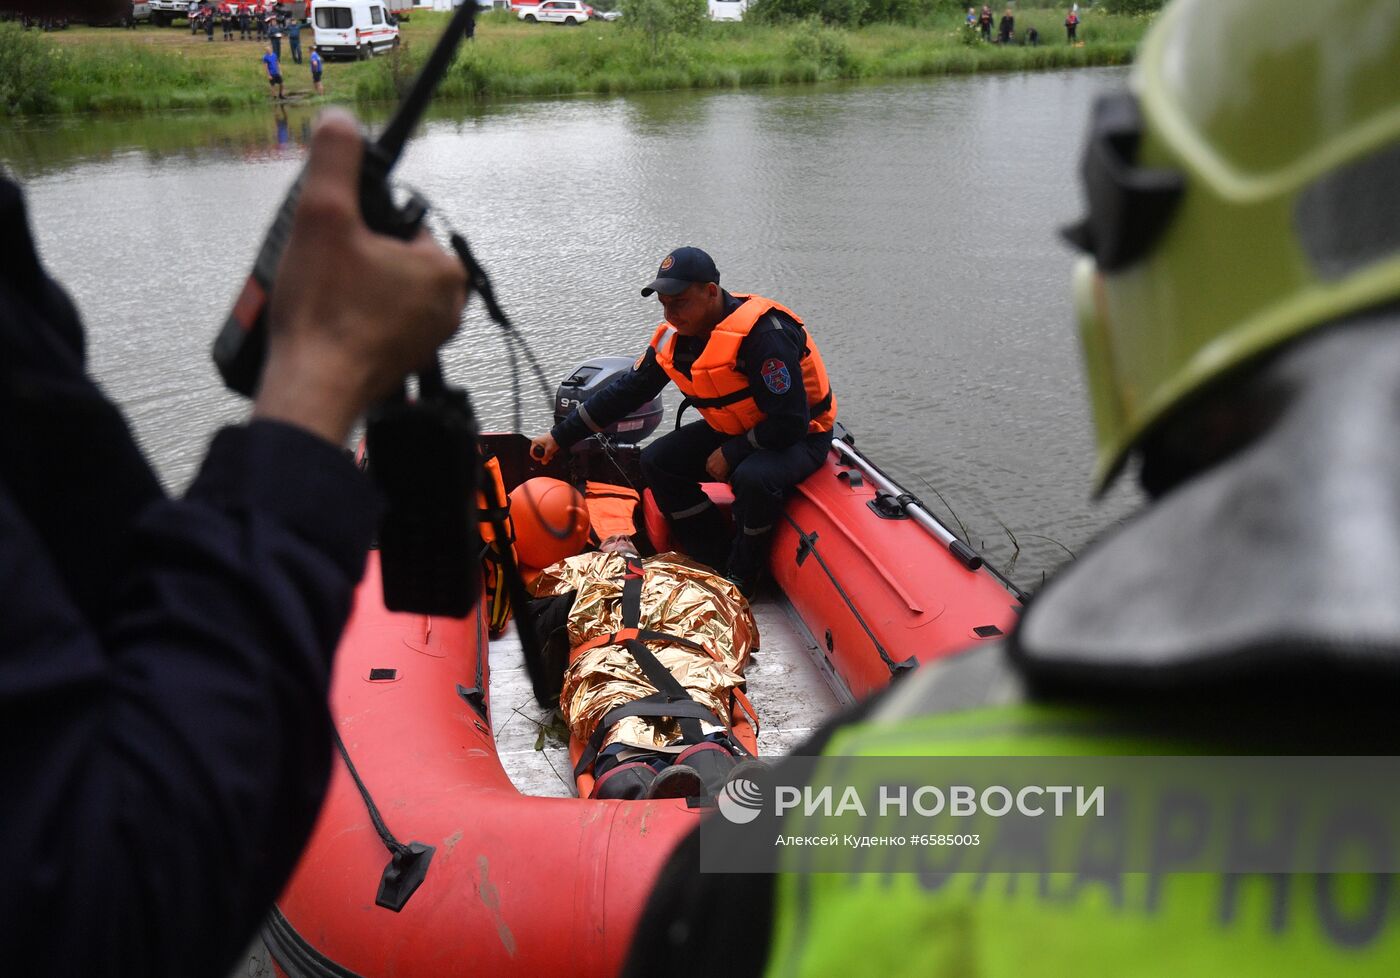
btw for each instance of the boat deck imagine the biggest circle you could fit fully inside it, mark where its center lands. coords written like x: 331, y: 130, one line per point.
x: 788, y: 683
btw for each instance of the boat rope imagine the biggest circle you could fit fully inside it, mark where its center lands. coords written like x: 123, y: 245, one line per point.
x: 408, y: 862
x: 385, y: 836
x: 606, y: 444
x: 807, y: 546
x: 514, y: 340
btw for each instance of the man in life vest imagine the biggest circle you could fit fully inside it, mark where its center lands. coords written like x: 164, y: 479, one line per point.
x: 645, y: 660
x: 1240, y: 313
x: 749, y: 366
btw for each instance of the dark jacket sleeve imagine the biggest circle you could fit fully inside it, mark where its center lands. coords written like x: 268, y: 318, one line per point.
x: 771, y: 357
x: 167, y: 767
x: 624, y: 395
x: 164, y: 666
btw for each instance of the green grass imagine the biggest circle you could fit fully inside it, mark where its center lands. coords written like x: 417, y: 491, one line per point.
x: 154, y: 69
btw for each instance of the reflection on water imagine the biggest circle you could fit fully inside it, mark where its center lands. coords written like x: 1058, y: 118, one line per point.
x: 31, y: 148
x: 912, y: 225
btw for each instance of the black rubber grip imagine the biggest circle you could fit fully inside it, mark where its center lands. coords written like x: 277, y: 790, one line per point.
x: 968, y: 557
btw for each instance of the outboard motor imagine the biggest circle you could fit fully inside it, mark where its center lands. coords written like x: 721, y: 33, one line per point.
x: 592, y: 376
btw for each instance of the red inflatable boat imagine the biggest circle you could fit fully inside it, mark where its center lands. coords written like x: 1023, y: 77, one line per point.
x: 450, y: 845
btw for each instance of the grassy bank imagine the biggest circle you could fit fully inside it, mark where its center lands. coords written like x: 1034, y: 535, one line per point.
x: 154, y: 69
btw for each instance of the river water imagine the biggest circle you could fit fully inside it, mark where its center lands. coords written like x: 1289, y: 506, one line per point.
x: 912, y: 225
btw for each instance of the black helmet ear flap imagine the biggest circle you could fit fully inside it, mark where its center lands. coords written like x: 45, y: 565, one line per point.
x: 1129, y: 207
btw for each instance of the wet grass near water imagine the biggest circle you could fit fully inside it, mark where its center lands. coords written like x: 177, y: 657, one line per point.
x: 109, y: 70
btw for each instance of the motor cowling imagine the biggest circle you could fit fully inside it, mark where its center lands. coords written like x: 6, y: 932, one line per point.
x: 592, y: 376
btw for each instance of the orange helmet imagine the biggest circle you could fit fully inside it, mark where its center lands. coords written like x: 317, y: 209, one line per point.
x: 551, y: 521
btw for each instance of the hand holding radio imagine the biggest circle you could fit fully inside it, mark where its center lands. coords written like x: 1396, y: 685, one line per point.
x: 376, y: 298
x: 357, y: 310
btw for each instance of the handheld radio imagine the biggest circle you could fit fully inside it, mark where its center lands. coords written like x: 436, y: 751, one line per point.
x: 242, y: 343
x: 422, y: 453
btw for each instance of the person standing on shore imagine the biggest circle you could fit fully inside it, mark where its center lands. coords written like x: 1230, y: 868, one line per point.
x: 274, y: 36
x: 274, y: 69
x: 316, y: 71
x: 1007, y: 29
x: 1072, y: 24
x: 294, y: 39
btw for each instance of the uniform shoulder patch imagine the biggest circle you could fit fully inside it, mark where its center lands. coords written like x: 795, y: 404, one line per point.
x: 775, y: 375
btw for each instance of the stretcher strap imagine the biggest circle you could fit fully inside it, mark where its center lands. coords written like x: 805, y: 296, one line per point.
x: 657, y: 705
x: 646, y: 635
x: 746, y: 706
x: 671, y: 698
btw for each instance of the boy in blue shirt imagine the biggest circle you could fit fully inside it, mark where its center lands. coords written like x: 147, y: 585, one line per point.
x: 316, y: 71
x: 274, y: 70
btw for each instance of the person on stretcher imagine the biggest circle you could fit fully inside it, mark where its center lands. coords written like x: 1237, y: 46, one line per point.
x: 646, y: 658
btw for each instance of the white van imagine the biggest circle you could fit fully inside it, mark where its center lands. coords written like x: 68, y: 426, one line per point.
x: 727, y: 9
x: 353, y: 28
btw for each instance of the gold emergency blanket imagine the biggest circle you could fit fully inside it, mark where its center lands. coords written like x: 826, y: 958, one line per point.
x: 678, y: 597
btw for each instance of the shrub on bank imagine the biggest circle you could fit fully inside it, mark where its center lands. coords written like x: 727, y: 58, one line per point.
x: 37, y: 76
x: 662, y: 22
x: 26, y: 72
x: 825, y: 50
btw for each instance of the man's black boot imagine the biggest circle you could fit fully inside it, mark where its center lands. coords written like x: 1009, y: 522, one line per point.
x: 711, y: 762
x: 747, y: 560
x: 703, y: 536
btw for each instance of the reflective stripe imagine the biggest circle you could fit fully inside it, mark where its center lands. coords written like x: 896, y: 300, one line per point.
x: 695, y: 510
x: 668, y: 333
x: 588, y: 419
x: 753, y: 438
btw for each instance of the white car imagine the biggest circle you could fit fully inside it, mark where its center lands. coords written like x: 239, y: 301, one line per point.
x: 569, y: 12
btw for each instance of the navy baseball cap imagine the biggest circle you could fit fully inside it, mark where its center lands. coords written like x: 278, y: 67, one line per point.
x: 682, y: 268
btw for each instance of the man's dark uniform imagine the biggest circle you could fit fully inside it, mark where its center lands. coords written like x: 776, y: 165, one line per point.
x: 775, y: 454
x: 165, y: 662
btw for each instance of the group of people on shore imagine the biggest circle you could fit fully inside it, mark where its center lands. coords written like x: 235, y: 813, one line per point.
x: 251, y: 23
x: 981, y: 22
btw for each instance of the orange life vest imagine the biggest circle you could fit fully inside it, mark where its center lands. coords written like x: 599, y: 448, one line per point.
x: 491, y: 496
x: 721, y: 391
